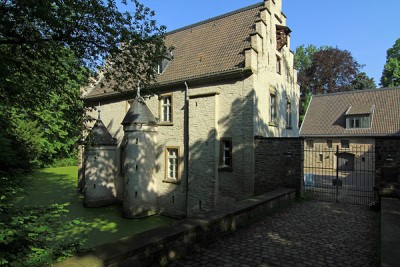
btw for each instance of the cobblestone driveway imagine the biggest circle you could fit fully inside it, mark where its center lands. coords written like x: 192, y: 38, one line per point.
x: 304, y: 234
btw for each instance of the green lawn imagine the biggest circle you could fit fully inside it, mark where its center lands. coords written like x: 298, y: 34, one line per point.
x: 99, y: 225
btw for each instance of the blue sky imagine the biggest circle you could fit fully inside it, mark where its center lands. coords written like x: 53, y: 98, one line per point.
x: 367, y: 28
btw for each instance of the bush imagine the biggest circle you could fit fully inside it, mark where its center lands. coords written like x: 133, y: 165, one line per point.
x: 29, y: 235
x: 64, y: 163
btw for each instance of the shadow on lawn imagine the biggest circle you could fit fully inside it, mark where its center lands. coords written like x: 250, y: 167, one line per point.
x: 97, y: 225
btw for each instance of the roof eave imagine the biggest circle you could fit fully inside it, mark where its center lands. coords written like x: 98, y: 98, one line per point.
x: 211, y: 77
x: 371, y: 135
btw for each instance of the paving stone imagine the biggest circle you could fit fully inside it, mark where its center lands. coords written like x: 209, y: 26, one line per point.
x: 304, y: 234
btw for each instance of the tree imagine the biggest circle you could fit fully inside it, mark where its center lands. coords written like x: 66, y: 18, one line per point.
x: 327, y: 70
x: 47, y: 50
x: 362, y: 81
x: 391, y: 70
x: 34, y: 35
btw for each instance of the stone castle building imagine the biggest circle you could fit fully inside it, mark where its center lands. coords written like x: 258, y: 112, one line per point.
x: 190, y: 148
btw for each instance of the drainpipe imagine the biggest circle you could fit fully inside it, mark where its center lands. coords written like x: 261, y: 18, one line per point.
x: 186, y: 144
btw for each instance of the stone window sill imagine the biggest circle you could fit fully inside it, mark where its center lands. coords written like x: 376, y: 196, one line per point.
x: 171, y: 181
x: 273, y: 124
x: 225, y: 168
x: 166, y: 124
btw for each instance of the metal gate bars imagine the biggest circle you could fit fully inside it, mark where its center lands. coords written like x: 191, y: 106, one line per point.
x: 341, y: 175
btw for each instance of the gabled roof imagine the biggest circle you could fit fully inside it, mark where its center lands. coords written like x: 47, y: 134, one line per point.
x: 206, y: 48
x: 326, y: 114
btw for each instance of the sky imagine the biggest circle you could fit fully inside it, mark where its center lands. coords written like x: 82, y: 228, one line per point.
x: 366, y: 28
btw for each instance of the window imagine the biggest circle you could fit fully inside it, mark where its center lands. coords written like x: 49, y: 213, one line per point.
x: 278, y: 64
x: 162, y: 63
x: 172, y: 163
x: 226, y: 153
x: 166, y: 109
x: 272, y: 109
x: 288, y: 115
x: 354, y: 122
x: 310, y: 143
x: 122, y: 161
x: 329, y: 143
x: 345, y: 143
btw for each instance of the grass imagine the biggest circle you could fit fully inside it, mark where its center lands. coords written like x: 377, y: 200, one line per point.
x: 98, y: 225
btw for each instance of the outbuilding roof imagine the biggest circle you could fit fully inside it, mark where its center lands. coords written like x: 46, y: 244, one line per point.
x: 326, y: 114
x: 209, y: 47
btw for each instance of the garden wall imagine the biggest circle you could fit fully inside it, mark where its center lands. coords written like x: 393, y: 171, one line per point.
x: 278, y: 163
x: 164, y: 244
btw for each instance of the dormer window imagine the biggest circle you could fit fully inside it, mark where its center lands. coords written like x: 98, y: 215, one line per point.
x: 358, y: 122
x: 359, y: 117
x: 282, y: 33
x: 163, y: 63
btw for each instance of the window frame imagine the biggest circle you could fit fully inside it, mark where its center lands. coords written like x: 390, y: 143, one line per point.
x: 273, y: 109
x: 278, y: 64
x: 161, y: 109
x: 122, y: 155
x: 329, y: 144
x: 289, y: 114
x: 222, y: 157
x: 167, y: 177
x: 310, y: 143
x: 363, y: 120
x: 345, y: 143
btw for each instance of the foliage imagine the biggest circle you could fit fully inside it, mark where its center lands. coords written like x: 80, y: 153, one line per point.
x: 28, y: 235
x: 391, y: 71
x: 34, y: 33
x: 362, y: 81
x: 304, y: 105
x: 332, y: 70
x: 327, y: 70
x: 39, y: 134
x: 49, y: 49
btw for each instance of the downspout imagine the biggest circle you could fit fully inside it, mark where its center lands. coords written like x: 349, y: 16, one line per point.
x: 186, y: 144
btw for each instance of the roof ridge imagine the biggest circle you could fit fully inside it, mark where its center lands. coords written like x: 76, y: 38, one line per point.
x: 260, y: 4
x: 360, y: 91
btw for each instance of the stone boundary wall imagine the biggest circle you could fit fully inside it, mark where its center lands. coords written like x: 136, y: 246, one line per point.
x: 386, y: 148
x: 390, y: 232
x: 162, y: 245
x: 278, y: 163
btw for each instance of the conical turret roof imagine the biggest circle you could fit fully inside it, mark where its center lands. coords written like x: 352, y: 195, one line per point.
x: 99, y: 135
x: 139, y: 113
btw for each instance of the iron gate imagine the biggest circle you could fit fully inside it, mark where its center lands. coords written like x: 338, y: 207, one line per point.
x: 340, y: 175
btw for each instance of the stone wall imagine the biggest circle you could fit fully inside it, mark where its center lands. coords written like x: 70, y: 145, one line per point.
x: 387, y: 154
x: 160, y: 246
x: 278, y: 163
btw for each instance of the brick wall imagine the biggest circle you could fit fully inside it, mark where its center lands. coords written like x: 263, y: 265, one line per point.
x: 278, y: 163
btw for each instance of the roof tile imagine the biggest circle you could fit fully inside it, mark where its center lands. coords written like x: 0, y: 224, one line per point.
x: 326, y: 114
x: 212, y: 46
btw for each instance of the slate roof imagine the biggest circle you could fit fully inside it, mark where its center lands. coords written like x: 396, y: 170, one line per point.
x: 99, y: 135
x: 326, y: 114
x: 209, y: 47
x: 139, y: 113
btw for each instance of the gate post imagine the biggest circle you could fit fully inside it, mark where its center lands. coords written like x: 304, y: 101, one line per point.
x: 337, y: 174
